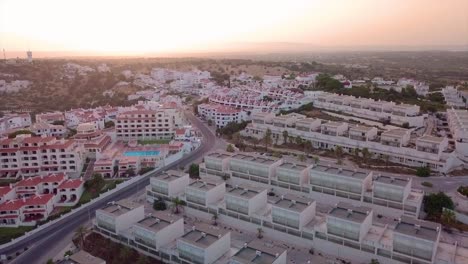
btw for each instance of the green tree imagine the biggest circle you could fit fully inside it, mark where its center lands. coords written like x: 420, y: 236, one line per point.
x: 267, y: 139
x: 448, y: 217
x: 194, y: 171
x: 316, y: 160
x: 299, y: 140
x: 159, y: 205
x: 142, y: 259
x: 177, y: 205
x: 308, y: 147
x: 374, y: 261
x: 50, y: 261
x: 302, y: 157
x: 259, y: 233
x: 423, y: 171
x: 125, y: 254
x: 434, y: 202
x: 215, y: 217
x: 230, y: 148
x: 339, y: 154
x: 285, y: 136
x: 109, y: 124
x: 80, y: 233
x: 365, y: 155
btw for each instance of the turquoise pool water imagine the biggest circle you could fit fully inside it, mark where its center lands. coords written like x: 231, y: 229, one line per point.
x: 141, y: 153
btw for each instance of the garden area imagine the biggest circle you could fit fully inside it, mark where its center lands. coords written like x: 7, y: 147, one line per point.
x: 154, y: 141
x: 113, y: 252
x: 8, y: 233
x: 95, y: 186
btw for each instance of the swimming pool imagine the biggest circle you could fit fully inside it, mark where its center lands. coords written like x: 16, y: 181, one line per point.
x: 141, y: 153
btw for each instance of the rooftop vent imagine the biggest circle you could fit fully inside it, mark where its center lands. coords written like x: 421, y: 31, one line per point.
x: 258, y: 253
x: 245, y: 245
x: 203, y: 234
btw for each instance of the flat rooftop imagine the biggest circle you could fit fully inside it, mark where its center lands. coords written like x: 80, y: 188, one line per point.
x: 349, y: 212
x: 431, y: 139
x: 392, y: 180
x: 244, y: 190
x: 418, y: 228
x: 158, y: 221
x: 83, y: 257
x: 205, y: 184
x: 120, y: 207
x: 399, y: 132
x: 358, y: 174
x: 307, y: 121
x: 361, y: 128
x: 219, y: 155
x: 293, y: 166
x: 170, y: 175
x: 292, y: 202
x: 248, y: 254
x: 255, y: 158
x: 333, y: 124
x: 204, y: 235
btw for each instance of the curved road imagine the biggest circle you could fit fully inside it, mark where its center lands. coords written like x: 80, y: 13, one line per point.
x: 40, y: 243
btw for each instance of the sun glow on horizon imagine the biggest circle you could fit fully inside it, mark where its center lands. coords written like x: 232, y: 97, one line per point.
x: 160, y: 26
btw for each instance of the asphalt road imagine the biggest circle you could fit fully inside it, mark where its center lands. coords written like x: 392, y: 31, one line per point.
x: 42, y: 242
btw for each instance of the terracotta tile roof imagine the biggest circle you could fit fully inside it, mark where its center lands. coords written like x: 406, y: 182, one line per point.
x: 71, y: 184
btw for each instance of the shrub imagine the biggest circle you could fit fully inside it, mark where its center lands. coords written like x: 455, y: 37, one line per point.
x: 159, y: 205
x: 426, y: 184
x: 423, y: 172
x: 433, y: 204
x: 463, y: 190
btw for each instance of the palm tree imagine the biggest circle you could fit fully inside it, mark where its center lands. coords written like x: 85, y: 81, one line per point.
x: 308, y: 146
x: 365, y: 154
x: 176, y: 205
x: 285, y: 136
x: 316, y: 160
x: 386, y: 158
x: 260, y: 233
x: 215, y: 218
x: 124, y: 254
x: 298, y: 140
x: 80, y: 233
x: 255, y: 142
x: 448, y: 216
x: 302, y: 157
x: 267, y: 139
x: 339, y: 154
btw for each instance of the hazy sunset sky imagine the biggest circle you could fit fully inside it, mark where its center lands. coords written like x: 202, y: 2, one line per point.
x: 138, y: 26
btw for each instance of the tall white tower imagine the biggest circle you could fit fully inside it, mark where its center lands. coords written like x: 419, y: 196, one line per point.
x: 29, y: 53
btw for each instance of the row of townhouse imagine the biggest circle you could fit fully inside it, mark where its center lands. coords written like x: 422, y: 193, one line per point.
x: 163, y: 235
x: 346, y: 228
x: 14, y: 121
x: 48, y: 130
x: 395, y: 144
x: 458, y: 124
x: 222, y: 115
x: 322, y: 182
x: 398, y: 114
x: 453, y: 97
x: 33, y: 199
x: 27, y: 155
x: 146, y: 124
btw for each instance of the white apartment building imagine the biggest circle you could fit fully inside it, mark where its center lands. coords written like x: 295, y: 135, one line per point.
x: 458, y: 125
x: 116, y: 217
x: 222, y: 115
x: 158, y: 230
x: 340, y: 181
x: 205, y: 192
x: 415, y: 240
x: 26, y: 211
x: 393, y: 144
x: 70, y: 191
x: 145, y: 125
x: 349, y: 222
x: 167, y: 185
x: 371, y: 109
x: 204, y: 244
x: 216, y: 163
x: 7, y: 193
x: 257, y: 251
x: 28, y: 156
x: 48, y: 130
x: 453, y: 97
x: 13, y: 121
x: 245, y: 199
x: 292, y: 175
x: 292, y: 211
x: 253, y: 167
x: 50, y: 118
